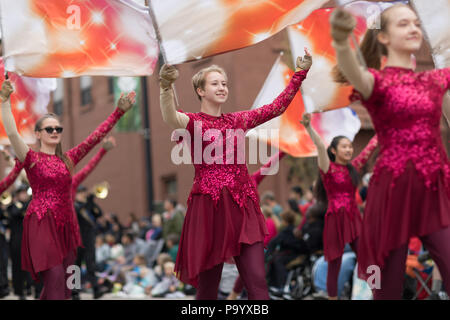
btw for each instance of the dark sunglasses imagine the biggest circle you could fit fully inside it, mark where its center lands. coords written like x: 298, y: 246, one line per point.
x: 50, y: 130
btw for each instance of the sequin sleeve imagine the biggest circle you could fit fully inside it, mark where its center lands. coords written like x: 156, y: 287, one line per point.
x: 356, y: 96
x: 77, y: 153
x: 360, y: 161
x: 79, y: 177
x: 11, y: 177
x: 257, y: 176
x: 253, y: 118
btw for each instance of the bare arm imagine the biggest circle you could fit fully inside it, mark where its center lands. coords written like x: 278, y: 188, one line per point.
x: 20, y: 147
x: 177, y: 120
x: 323, y: 160
x: 342, y: 25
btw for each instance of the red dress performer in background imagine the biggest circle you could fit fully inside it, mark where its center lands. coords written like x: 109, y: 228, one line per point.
x: 223, y: 218
x: 337, y: 186
x: 409, y: 191
x: 50, y: 232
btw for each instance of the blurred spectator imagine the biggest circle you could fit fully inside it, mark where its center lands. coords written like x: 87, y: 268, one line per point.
x: 102, y: 253
x: 281, y: 250
x: 173, y: 219
x: 169, y: 283
x: 155, y: 231
x: 268, y: 199
x: 172, y: 245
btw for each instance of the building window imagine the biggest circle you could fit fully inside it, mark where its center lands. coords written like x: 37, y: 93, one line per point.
x: 85, y: 87
x: 170, y: 187
x: 58, y: 96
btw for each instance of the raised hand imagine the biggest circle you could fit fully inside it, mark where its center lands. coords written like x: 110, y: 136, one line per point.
x: 306, y: 62
x: 342, y: 25
x: 306, y: 120
x: 167, y: 75
x: 109, y: 143
x: 6, y: 90
x: 126, y: 102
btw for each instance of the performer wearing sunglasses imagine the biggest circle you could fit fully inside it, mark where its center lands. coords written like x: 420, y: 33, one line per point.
x: 50, y: 233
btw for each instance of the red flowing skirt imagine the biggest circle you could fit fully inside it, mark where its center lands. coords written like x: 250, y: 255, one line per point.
x: 395, y: 214
x: 44, y: 245
x: 341, y: 227
x: 213, y: 233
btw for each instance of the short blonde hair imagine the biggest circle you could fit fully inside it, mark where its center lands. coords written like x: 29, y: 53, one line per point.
x: 199, y: 79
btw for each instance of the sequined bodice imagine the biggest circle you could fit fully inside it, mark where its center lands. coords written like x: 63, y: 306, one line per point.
x: 51, y: 181
x: 406, y: 108
x: 339, y: 187
x: 223, y: 138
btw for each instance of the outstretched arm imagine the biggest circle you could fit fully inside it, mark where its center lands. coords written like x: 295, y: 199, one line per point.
x: 77, y: 153
x: 253, y: 118
x: 322, y: 155
x: 360, y: 161
x: 11, y: 177
x: 20, y: 147
x: 342, y: 25
x: 177, y: 120
x: 79, y: 177
x: 257, y: 176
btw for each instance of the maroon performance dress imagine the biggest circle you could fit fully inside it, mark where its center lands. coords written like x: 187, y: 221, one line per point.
x: 223, y: 207
x: 343, y: 220
x: 50, y: 231
x: 409, y: 192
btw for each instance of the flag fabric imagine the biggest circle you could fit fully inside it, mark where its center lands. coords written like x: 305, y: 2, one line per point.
x: 291, y: 136
x: 435, y: 21
x: 320, y: 92
x: 70, y: 38
x: 195, y: 29
x: 29, y: 102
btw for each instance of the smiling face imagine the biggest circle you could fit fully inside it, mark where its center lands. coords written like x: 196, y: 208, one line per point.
x: 50, y: 139
x: 343, y: 151
x: 215, y: 89
x: 403, y: 32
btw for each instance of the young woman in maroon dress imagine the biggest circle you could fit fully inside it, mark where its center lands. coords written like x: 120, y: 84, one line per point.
x: 223, y: 218
x: 337, y: 186
x: 409, y: 192
x: 50, y: 232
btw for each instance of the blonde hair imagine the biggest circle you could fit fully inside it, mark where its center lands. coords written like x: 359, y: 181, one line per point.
x: 199, y: 79
x: 371, y: 49
x: 58, y: 151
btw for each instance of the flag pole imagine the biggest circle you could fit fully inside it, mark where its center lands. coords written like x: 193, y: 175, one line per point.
x: 3, y: 47
x: 161, y: 47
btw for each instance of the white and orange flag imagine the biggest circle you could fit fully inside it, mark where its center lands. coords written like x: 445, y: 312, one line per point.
x: 70, y: 38
x: 320, y: 92
x: 436, y: 23
x: 285, y: 132
x: 195, y: 29
x: 29, y: 102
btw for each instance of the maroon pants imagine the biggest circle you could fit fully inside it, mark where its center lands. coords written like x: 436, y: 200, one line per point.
x: 54, y: 280
x: 393, y: 272
x: 250, y: 264
x: 333, y: 271
x: 238, y: 285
